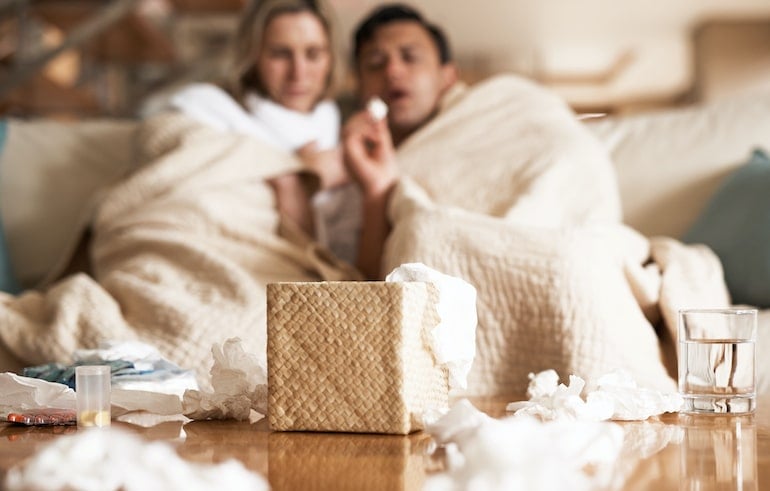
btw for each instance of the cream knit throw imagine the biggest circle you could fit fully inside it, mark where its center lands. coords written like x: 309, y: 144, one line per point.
x: 512, y: 194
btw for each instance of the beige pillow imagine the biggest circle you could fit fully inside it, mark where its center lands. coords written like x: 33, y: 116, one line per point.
x: 669, y: 163
x: 51, y: 175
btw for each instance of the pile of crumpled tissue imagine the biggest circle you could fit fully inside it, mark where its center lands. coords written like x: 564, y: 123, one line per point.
x: 617, y: 397
x: 239, y: 386
x: 555, y: 440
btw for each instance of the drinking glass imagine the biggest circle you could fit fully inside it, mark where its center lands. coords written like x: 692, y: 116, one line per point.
x: 717, y: 360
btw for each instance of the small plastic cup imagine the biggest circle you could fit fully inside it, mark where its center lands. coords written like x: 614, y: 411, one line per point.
x: 92, y: 387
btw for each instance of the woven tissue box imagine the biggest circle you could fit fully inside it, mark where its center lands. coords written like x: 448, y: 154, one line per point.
x: 352, y: 356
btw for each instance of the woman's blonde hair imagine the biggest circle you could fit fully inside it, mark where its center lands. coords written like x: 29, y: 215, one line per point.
x: 242, y: 75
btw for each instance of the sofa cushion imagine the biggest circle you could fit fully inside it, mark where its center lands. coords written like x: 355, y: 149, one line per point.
x: 670, y: 162
x: 51, y: 175
x: 7, y: 279
x: 736, y: 225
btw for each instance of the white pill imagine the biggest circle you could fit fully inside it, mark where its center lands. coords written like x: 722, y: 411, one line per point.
x: 377, y: 108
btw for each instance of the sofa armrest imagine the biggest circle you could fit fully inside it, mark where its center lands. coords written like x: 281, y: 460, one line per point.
x: 51, y: 176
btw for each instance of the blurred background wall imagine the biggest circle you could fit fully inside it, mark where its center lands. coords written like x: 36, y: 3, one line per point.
x: 85, y: 58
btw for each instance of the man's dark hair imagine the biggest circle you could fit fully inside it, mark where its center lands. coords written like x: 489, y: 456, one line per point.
x: 398, y: 13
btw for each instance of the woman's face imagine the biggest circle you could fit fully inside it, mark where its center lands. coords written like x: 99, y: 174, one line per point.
x: 295, y: 60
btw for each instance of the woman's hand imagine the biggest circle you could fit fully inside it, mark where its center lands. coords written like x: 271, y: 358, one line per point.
x: 293, y: 201
x: 326, y: 164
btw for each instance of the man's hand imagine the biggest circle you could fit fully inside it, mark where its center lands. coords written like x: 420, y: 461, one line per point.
x: 369, y: 154
x: 371, y: 160
x: 326, y: 164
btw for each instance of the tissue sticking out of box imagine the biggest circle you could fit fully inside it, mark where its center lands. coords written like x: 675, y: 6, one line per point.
x: 377, y: 108
x: 239, y: 382
x: 617, y: 397
x: 454, y: 338
x: 116, y: 459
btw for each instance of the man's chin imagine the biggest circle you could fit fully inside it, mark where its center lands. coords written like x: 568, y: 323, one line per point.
x: 402, y: 128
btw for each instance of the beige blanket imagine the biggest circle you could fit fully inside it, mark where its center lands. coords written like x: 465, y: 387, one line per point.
x: 181, y: 253
x: 507, y: 190
x: 511, y: 193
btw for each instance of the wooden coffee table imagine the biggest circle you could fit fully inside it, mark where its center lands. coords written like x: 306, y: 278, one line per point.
x: 677, y: 452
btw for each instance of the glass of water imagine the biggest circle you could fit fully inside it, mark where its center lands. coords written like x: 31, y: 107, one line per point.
x: 717, y: 357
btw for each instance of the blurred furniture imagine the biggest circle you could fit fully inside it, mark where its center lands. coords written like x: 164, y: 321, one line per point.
x: 731, y: 56
x: 602, y: 77
x: 86, y: 58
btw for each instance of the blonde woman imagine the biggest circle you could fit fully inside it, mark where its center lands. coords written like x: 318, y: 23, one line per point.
x: 278, y: 90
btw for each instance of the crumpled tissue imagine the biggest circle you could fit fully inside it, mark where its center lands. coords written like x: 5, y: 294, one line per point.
x: 631, y: 402
x: 617, y: 397
x: 239, y: 383
x: 454, y: 338
x: 522, y: 452
x: 23, y: 393
x: 113, y: 459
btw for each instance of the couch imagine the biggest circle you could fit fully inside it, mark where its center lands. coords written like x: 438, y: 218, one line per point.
x: 669, y: 165
x: 672, y: 167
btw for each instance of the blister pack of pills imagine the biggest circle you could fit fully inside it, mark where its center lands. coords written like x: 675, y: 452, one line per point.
x: 43, y: 417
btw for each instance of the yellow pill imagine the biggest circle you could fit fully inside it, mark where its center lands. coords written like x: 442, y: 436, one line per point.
x: 94, y: 418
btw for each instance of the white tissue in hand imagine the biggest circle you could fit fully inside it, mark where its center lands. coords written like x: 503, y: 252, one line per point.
x: 377, y: 108
x: 115, y: 459
x: 454, y: 338
x: 239, y: 382
x: 618, y: 397
x: 523, y: 452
